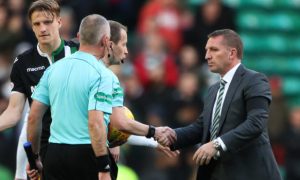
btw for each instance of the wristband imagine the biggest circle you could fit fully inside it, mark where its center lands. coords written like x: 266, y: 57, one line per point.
x: 103, y: 163
x: 151, y: 132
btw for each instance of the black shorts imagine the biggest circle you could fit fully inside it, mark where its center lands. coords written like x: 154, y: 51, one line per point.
x: 74, y: 162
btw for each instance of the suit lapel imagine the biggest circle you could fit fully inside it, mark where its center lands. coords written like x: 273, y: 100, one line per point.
x: 235, y: 82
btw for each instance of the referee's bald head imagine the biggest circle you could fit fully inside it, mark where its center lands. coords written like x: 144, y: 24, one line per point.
x: 92, y: 29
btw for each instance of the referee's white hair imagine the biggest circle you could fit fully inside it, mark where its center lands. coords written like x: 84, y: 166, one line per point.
x: 92, y: 29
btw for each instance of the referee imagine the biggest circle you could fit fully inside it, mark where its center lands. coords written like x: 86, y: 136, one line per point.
x: 78, y: 89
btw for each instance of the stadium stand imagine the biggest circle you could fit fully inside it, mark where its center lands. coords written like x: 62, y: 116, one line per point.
x: 270, y: 30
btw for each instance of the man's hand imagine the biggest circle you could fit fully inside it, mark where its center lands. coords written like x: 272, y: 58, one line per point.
x: 165, y: 135
x: 204, y: 154
x: 104, y: 176
x: 167, y: 151
x: 34, y: 174
x: 115, y: 152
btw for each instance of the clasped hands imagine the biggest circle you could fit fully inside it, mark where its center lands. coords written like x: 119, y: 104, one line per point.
x: 167, y: 136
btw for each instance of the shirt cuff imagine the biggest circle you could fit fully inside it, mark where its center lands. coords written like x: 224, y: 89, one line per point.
x: 222, y: 144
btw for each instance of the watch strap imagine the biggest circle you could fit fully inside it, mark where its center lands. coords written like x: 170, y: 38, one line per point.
x: 151, y: 132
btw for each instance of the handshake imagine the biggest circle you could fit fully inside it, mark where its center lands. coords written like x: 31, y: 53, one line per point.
x: 165, y: 136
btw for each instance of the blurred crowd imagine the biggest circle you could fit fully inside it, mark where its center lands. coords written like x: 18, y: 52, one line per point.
x: 165, y: 77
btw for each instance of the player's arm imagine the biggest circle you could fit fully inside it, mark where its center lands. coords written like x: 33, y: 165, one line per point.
x: 143, y: 141
x: 34, y: 128
x: 13, y: 113
x: 119, y: 120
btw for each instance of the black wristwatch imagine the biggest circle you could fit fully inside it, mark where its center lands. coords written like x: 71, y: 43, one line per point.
x: 151, y: 132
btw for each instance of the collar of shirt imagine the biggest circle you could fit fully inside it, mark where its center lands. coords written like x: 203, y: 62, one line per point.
x: 50, y: 59
x: 88, y: 56
x: 43, y: 54
x: 101, y: 62
x: 229, y: 75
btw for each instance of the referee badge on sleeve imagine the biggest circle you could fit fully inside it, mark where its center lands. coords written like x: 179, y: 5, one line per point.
x: 118, y: 92
x: 102, y: 97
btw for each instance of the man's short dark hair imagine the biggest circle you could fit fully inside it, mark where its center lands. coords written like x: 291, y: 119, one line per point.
x: 231, y: 39
x: 50, y: 6
x: 115, y: 31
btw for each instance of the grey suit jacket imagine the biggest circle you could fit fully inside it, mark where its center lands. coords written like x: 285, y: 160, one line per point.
x: 243, y: 129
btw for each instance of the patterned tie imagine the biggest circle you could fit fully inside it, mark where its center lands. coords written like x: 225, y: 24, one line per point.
x: 217, y: 114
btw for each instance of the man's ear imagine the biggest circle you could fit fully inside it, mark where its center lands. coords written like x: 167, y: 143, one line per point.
x: 105, y: 41
x: 234, y: 52
x: 59, y: 21
x: 78, y: 35
x: 101, y: 42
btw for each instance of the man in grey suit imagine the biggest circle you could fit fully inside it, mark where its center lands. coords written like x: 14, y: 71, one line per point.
x: 232, y: 130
